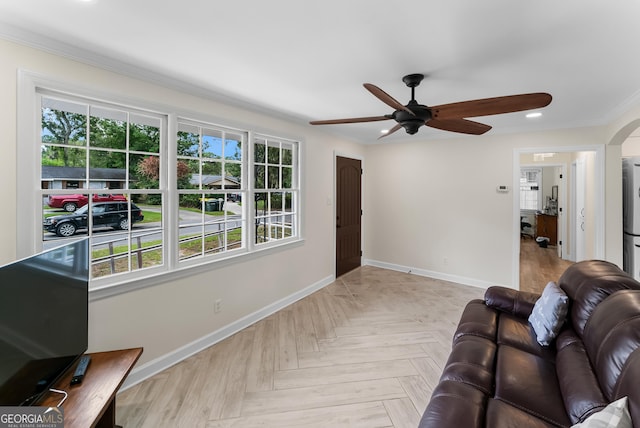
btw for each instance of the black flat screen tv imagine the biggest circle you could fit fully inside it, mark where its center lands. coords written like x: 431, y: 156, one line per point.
x: 43, y: 320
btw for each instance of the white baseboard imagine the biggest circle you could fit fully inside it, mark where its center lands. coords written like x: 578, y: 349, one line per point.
x: 433, y: 274
x: 155, y: 366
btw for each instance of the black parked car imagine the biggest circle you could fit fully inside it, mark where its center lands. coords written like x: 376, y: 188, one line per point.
x: 105, y: 214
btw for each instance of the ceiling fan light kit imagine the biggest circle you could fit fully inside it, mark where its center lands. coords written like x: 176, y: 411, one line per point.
x: 446, y: 117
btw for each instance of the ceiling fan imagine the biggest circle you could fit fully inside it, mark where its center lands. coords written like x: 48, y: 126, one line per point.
x: 447, y: 117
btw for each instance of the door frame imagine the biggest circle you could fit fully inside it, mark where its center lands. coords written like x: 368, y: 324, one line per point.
x: 563, y: 251
x: 578, y: 195
x: 562, y: 208
x: 337, y: 154
x: 599, y: 214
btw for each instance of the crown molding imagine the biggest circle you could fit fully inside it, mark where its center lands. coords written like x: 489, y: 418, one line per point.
x: 90, y: 57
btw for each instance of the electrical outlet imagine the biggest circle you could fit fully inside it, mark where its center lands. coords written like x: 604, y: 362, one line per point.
x: 217, y: 306
x: 445, y: 261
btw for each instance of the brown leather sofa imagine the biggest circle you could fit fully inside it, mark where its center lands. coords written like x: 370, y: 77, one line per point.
x: 498, y: 376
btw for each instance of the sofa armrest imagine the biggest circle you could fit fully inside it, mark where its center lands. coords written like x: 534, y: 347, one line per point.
x: 518, y: 303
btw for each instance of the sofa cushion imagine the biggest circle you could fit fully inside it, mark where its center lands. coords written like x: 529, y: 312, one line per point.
x: 611, y: 335
x: 580, y: 389
x: 615, y: 415
x: 469, y: 404
x: 628, y: 384
x: 477, y: 320
x: 529, y: 383
x: 517, y: 332
x: 471, y: 361
x: 549, y: 313
x: 504, y: 415
x: 588, y: 283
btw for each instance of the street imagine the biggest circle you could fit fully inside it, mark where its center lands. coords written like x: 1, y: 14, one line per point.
x: 190, y: 224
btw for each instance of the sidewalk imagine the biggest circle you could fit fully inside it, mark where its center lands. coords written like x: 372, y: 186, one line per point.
x: 232, y: 207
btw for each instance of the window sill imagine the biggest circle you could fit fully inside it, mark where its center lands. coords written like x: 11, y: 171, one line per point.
x: 132, y: 284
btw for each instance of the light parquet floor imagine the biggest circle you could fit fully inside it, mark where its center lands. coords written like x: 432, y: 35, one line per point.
x: 365, y: 351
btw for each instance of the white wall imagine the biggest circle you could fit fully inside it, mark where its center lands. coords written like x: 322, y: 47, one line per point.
x: 631, y: 146
x: 432, y: 206
x: 173, y: 314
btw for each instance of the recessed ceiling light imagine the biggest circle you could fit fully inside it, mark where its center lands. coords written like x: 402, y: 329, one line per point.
x: 534, y: 114
x: 384, y: 131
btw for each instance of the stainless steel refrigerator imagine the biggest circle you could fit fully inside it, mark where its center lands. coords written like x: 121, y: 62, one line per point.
x: 631, y: 215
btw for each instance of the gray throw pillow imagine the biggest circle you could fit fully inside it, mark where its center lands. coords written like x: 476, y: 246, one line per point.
x: 549, y: 313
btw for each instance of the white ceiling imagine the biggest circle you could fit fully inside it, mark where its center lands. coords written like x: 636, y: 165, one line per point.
x: 308, y: 60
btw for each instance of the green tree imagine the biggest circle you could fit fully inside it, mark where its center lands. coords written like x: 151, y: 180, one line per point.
x: 144, y: 138
x: 107, y: 133
x: 63, y: 128
x: 188, y: 144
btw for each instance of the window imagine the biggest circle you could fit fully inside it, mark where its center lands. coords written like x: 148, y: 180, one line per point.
x: 152, y: 202
x: 275, y: 189
x: 210, y: 188
x: 93, y: 154
x: 530, y: 183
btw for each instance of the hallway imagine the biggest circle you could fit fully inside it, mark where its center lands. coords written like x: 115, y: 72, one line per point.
x: 539, y: 265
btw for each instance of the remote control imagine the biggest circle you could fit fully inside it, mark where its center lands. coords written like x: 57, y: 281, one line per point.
x: 78, y: 375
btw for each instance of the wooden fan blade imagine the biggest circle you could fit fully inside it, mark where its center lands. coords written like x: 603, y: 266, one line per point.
x: 463, y: 126
x: 386, y: 98
x: 391, y: 131
x: 489, y: 106
x: 351, y: 120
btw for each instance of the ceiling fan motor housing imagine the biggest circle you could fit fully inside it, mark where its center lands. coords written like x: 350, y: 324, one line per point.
x: 412, y: 122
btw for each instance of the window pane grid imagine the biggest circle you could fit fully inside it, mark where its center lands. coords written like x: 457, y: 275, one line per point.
x: 275, y: 193
x: 529, y: 188
x: 211, y: 217
x: 87, y: 174
x: 210, y: 230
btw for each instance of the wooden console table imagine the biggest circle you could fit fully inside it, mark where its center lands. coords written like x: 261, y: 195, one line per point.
x: 92, y: 403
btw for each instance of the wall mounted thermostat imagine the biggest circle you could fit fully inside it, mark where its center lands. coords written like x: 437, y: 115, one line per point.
x: 502, y: 189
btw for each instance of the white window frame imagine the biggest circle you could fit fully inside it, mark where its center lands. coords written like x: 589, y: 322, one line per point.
x: 244, y: 190
x: 294, y: 189
x: 28, y: 186
x: 91, y: 105
x: 538, y: 172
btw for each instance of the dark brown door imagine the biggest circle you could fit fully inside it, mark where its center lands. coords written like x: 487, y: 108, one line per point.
x: 348, y: 214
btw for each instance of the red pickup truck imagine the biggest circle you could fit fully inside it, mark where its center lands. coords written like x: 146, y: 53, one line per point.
x: 70, y: 203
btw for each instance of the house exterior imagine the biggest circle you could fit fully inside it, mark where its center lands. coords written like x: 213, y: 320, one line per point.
x: 65, y: 177
x: 215, y: 181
